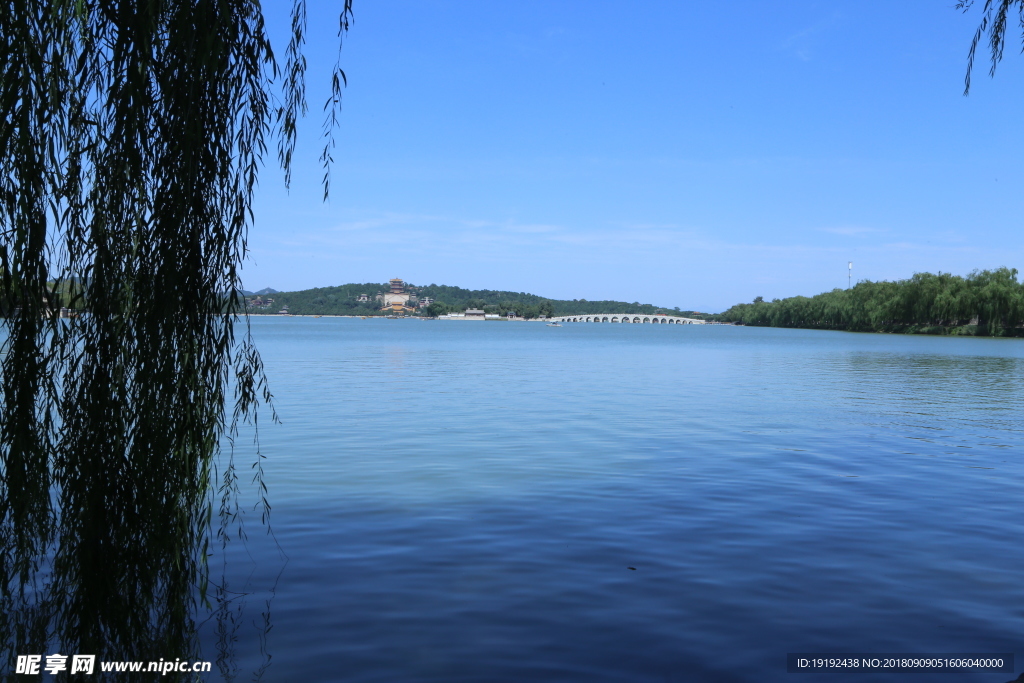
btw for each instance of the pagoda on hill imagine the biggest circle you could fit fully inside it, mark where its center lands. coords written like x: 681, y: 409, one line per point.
x: 397, y: 300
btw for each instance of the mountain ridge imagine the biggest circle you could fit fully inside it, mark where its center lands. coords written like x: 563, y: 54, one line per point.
x: 344, y: 300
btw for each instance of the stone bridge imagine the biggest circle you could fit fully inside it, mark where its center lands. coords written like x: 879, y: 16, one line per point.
x: 626, y: 318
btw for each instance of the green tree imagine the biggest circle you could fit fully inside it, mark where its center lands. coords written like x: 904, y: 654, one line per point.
x: 932, y: 303
x: 131, y: 139
x: 437, y: 308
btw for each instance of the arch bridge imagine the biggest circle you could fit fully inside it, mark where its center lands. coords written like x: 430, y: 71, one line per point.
x: 632, y: 318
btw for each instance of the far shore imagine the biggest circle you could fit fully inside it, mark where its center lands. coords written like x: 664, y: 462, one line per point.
x: 415, y: 317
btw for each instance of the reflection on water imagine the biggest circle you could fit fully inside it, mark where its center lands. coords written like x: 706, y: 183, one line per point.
x: 110, y: 584
x: 462, y: 503
x: 55, y: 623
x: 465, y: 502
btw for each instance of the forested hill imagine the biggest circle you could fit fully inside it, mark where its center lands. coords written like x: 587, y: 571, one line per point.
x: 989, y: 302
x: 343, y: 300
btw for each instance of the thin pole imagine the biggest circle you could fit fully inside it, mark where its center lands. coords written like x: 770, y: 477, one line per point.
x: 849, y: 275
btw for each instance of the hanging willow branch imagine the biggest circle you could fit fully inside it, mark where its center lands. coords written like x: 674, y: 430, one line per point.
x: 131, y: 136
x: 994, y: 17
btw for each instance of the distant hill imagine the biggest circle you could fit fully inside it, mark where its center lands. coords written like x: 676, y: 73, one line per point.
x: 344, y: 300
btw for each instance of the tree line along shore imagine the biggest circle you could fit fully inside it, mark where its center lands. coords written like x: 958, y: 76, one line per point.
x: 984, y: 303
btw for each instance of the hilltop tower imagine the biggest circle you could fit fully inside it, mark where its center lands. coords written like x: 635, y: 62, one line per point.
x: 397, y: 299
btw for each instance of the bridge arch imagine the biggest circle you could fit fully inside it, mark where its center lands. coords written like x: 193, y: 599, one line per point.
x: 626, y: 318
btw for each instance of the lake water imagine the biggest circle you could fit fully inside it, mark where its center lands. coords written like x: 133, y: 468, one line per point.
x: 500, y: 501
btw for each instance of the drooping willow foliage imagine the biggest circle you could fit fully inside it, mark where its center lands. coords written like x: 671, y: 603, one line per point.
x: 995, y: 16
x: 131, y: 136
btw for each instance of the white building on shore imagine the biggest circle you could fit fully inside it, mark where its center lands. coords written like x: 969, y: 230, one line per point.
x: 469, y: 314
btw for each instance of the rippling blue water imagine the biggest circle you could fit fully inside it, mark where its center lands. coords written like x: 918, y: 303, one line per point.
x: 463, y: 501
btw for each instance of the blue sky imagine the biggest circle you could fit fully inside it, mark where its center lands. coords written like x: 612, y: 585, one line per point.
x: 677, y: 153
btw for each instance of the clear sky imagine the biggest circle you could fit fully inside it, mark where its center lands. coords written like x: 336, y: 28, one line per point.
x: 676, y: 153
